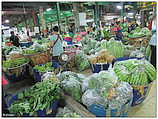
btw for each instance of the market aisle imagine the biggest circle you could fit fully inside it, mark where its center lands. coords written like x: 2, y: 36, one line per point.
x: 148, y: 107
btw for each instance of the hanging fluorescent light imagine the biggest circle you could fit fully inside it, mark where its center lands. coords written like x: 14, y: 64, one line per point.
x: 49, y: 9
x: 119, y: 7
x: 6, y: 21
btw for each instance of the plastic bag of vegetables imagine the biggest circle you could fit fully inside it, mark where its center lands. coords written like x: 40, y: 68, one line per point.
x: 137, y: 53
x: 49, y: 76
x: 116, y: 48
x: 91, y: 96
x: 66, y: 112
x: 135, y: 72
x: 72, y: 87
x: 114, y: 98
x: 81, y: 61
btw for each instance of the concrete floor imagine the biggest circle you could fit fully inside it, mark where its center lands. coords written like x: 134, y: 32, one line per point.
x: 146, y: 109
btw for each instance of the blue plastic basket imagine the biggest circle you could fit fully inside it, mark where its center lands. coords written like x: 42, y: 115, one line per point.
x: 55, y: 64
x: 96, y: 68
x: 140, y: 93
x: 12, y: 77
x: 100, y: 111
x: 37, y: 75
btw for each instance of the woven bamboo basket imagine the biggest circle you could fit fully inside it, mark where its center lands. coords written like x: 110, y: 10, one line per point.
x: 39, y: 58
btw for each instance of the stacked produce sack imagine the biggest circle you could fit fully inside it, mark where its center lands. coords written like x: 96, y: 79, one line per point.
x: 71, y: 84
x: 138, y: 73
x: 105, y: 91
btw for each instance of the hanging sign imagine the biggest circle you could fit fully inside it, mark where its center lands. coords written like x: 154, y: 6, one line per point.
x: 82, y: 19
x: 36, y: 29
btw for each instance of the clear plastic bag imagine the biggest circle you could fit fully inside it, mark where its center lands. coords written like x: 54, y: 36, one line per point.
x: 91, y: 96
x: 72, y: 87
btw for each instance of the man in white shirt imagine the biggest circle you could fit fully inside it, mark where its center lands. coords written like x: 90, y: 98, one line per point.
x: 153, y: 41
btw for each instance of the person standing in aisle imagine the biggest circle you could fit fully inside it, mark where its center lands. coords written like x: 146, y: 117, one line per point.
x: 57, y: 48
x: 152, y: 42
x: 119, y: 35
x: 14, y: 39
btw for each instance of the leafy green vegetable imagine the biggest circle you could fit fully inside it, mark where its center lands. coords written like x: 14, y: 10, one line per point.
x: 135, y: 72
x: 38, y: 97
x: 116, y: 48
x: 14, y: 63
x: 44, y: 68
x: 7, y: 49
x: 82, y: 62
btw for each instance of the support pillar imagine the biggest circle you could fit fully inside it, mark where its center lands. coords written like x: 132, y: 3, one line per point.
x: 76, y: 15
x: 42, y: 20
x: 58, y: 15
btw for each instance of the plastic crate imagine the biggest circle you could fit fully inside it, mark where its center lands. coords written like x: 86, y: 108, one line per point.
x: 140, y: 93
x: 96, y: 68
x: 100, y: 111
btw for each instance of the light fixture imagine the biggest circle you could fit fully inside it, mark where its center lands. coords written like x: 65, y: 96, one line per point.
x: 49, y: 9
x: 139, y: 17
x: 119, y: 7
x: 6, y: 21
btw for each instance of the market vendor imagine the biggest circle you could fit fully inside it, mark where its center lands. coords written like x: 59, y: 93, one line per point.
x: 132, y: 26
x: 152, y: 42
x: 118, y: 32
x: 57, y: 48
x: 14, y: 39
